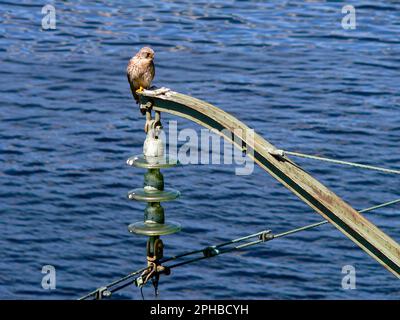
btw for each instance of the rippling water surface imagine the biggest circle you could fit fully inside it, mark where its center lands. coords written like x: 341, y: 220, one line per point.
x: 285, y: 68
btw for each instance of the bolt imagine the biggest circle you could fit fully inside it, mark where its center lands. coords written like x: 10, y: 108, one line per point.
x: 107, y: 293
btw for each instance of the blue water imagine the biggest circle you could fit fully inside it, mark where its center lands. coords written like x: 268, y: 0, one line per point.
x: 285, y: 68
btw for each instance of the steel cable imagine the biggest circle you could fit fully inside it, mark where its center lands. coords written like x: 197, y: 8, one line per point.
x: 215, y: 251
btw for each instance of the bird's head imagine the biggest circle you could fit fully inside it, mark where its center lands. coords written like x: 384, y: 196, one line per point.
x: 146, y: 53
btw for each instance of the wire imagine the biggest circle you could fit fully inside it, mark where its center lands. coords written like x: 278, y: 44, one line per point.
x: 216, y: 246
x: 212, y: 251
x: 141, y: 292
x: 353, y: 164
x: 310, y: 226
x: 219, y: 252
x: 127, y: 277
x: 279, y: 235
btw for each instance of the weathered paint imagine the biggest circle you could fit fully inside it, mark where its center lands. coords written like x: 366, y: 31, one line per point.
x: 350, y: 222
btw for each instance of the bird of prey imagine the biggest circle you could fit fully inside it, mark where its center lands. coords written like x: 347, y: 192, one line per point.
x: 141, y: 71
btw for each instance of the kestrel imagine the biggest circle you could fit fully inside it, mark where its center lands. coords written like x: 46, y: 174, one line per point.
x: 141, y: 71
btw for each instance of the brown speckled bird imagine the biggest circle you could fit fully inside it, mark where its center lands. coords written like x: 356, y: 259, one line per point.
x: 141, y: 71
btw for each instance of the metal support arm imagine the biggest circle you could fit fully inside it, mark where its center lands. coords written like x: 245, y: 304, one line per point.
x: 346, y: 219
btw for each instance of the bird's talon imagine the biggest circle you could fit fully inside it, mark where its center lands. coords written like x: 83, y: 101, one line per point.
x: 140, y: 90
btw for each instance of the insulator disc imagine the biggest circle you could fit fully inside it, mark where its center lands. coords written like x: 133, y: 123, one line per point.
x: 154, y: 229
x: 142, y: 161
x: 141, y: 194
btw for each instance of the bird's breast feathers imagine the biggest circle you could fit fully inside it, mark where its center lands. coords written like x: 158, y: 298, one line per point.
x: 140, y: 72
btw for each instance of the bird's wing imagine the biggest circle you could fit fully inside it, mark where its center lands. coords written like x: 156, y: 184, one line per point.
x: 131, y: 84
x: 132, y: 73
x: 152, y: 70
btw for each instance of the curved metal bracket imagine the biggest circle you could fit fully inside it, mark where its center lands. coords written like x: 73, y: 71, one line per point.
x: 350, y: 222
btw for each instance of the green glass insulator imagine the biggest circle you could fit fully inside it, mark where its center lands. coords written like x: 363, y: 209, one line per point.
x: 142, y: 194
x: 154, y: 229
x: 154, y: 212
x: 154, y: 179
